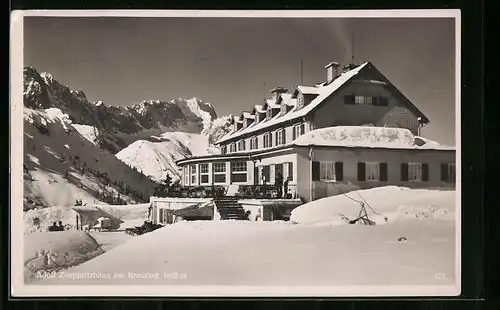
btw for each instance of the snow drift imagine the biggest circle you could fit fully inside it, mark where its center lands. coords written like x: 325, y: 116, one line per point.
x: 391, y: 203
x: 46, y: 252
x: 278, y: 253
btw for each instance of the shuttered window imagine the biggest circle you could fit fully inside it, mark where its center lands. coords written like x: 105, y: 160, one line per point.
x: 425, y: 172
x: 349, y: 99
x: 339, y: 171
x: 404, y: 172
x: 448, y: 172
x: 315, y: 170
x: 290, y: 171
x: 383, y: 172
x: 361, y: 171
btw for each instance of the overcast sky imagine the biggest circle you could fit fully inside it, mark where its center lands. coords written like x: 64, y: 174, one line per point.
x: 225, y: 61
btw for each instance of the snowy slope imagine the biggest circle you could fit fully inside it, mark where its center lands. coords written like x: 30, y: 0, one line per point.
x: 90, y: 133
x: 61, y: 165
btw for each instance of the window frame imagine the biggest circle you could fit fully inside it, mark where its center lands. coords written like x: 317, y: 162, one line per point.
x: 268, y: 140
x: 280, y: 136
x: 324, y: 168
x: 239, y: 172
x: 202, y: 174
x: 298, y: 130
x: 232, y: 147
x: 218, y: 173
x: 300, y: 101
x: 193, y: 175
x: 368, y: 167
x: 241, y: 145
x: 411, y: 172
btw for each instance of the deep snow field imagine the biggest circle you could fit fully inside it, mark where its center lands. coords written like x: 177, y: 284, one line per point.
x: 317, y: 247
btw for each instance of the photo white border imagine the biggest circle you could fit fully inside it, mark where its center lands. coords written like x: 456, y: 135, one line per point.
x: 19, y: 289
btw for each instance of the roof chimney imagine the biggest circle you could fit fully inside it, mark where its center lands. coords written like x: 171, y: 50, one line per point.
x: 331, y: 71
x: 277, y: 91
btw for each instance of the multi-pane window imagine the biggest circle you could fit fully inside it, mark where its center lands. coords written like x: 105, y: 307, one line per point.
x: 280, y: 137
x: 415, y: 172
x: 239, y: 171
x: 241, y: 145
x: 192, y: 169
x: 186, y: 175
x: 203, y: 173
x: 254, y: 143
x: 300, y: 101
x: 232, y: 147
x: 359, y: 100
x: 372, y: 172
x: 327, y: 171
x: 298, y: 130
x: 268, y: 139
x: 219, y: 172
x: 223, y: 149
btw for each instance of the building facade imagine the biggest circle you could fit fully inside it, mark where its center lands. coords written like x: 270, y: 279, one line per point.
x: 266, y: 141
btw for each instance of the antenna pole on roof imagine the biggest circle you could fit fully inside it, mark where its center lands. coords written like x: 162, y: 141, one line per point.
x: 264, y: 90
x: 352, y: 49
x: 301, y: 72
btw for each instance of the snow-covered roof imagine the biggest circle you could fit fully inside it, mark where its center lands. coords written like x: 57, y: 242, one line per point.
x: 323, y: 93
x: 367, y: 137
x: 287, y: 99
x: 257, y: 108
x: 271, y: 103
x: 246, y: 115
x: 308, y: 90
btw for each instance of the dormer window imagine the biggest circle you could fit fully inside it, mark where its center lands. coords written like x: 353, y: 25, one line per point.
x: 300, y: 101
x: 269, y: 113
x: 283, y: 109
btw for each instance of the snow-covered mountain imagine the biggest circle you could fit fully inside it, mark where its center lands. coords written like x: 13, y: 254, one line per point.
x: 118, y: 126
x: 147, y: 138
x: 156, y: 156
x: 62, y: 165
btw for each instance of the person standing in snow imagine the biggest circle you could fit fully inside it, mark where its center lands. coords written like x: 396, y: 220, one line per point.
x: 60, y: 227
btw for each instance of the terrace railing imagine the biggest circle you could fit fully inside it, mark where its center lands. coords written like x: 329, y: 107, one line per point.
x: 268, y: 191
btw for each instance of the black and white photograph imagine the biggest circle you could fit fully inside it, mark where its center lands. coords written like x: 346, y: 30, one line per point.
x: 235, y: 153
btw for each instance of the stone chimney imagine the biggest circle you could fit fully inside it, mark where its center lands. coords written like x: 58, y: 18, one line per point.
x: 277, y: 91
x: 331, y: 71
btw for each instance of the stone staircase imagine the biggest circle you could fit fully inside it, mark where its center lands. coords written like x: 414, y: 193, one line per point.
x: 229, y: 208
